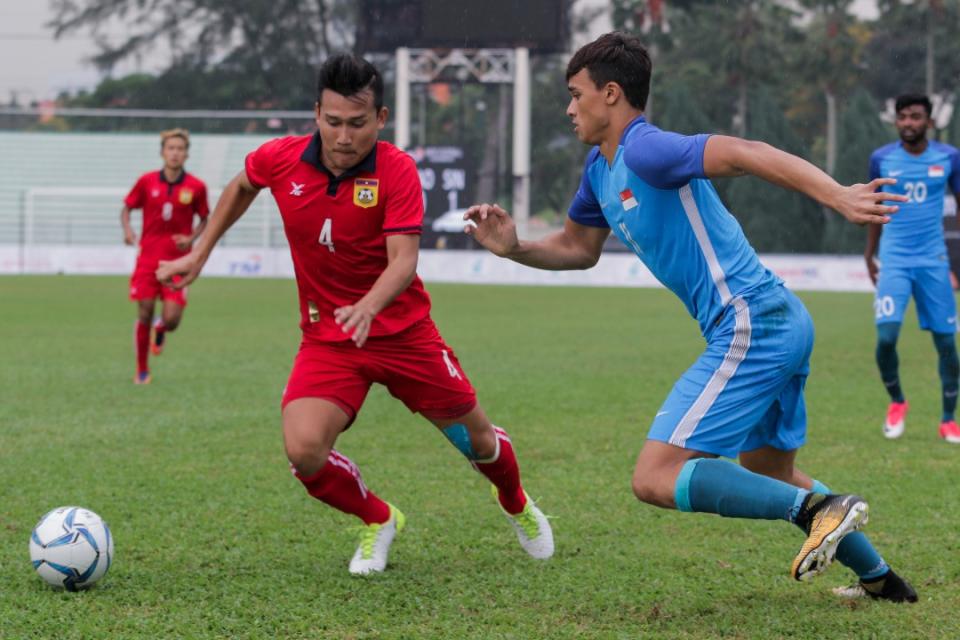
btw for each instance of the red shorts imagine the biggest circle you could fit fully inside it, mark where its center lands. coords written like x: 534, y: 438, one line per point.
x: 145, y: 286
x: 415, y: 365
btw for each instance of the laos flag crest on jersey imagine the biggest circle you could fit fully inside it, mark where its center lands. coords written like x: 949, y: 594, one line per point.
x: 365, y: 192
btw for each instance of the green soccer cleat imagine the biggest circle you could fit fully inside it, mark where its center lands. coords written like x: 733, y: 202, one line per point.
x: 827, y: 519
x: 532, y: 527
x: 375, y: 541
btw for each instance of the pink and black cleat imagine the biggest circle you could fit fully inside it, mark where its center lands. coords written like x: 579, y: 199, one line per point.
x: 950, y: 432
x: 894, y: 425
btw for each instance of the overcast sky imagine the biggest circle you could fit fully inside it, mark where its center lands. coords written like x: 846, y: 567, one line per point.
x: 34, y: 66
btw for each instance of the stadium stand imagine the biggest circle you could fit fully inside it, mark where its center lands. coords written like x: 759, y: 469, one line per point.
x: 67, y: 188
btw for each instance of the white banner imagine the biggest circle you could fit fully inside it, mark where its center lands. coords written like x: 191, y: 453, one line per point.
x: 801, y: 272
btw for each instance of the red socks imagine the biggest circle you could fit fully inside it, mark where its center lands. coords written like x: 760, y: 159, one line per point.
x: 338, y: 483
x: 142, y: 339
x: 504, y: 472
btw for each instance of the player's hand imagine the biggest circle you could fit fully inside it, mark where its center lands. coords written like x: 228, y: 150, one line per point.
x: 180, y: 272
x: 494, y: 229
x: 182, y: 241
x: 355, y: 320
x: 864, y: 203
x: 872, y: 269
x: 129, y: 237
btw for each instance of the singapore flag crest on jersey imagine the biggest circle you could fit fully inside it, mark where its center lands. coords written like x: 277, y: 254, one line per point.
x: 627, y: 199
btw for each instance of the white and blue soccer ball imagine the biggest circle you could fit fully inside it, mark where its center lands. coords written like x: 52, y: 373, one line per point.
x: 71, y: 547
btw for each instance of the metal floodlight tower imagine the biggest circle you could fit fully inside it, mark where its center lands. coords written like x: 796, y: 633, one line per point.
x: 489, y: 66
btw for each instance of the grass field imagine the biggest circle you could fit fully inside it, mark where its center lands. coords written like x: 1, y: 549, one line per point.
x: 215, y: 538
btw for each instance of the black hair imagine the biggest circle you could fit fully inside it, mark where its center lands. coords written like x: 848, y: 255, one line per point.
x: 349, y: 75
x: 616, y: 57
x: 910, y: 99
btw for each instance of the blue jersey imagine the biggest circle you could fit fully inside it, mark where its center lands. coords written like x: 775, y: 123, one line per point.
x: 657, y: 200
x: 914, y: 235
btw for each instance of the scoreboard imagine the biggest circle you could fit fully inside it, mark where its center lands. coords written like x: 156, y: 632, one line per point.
x: 446, y: 178
x: 540, y: 25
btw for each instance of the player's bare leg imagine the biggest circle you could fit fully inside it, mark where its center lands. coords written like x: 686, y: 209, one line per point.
x: 670, y: 476
x: 141, y: 335
x: 490, y: 451
x: 655, y: 474
x: 876, y: 578
x: 168, y: 322
x: 778, y: 464
x: 310, y: 430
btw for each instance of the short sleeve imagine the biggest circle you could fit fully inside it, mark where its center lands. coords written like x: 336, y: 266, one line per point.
x: 584, y: 209
x: 666, y: 160
x: 135, y: 199
x: 403, y: 201
x: 954, y: 171
x: 259, y: 164
x: 201, y: 206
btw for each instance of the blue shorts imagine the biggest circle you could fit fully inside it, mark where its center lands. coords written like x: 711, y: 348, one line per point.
x: 746, y: 390
x: 930, y: 287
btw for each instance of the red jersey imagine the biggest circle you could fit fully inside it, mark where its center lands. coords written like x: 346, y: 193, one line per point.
x: 168, y: 210
x: 337, y: 228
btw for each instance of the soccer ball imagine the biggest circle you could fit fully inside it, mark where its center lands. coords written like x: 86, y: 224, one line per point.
x: 71, y: 547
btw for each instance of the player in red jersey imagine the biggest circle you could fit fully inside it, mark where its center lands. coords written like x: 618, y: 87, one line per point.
x: 169, y: 198
x: 352, y: 209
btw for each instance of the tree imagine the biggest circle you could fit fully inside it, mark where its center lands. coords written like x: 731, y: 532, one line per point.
x: 557, y: 154
x: 271, y: 48
x: 860, y: 133
x: 725, y: 50
x: 679, y: 109
x: 829, y: 61
x: 775, y: 219
x: 904, y: 35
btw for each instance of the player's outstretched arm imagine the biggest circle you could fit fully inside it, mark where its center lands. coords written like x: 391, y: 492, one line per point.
x: 233, y: 202
x: 577, y: 246
x: 725, y: 156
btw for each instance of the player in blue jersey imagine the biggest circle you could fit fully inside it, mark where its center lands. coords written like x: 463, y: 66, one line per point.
x: 913, y: 258
x: 743, y: 398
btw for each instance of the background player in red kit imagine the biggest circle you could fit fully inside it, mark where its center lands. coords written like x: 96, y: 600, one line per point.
x: 352, y: 209
x: 169, y: 199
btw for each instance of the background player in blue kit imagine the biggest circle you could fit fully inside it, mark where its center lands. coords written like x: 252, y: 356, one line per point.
x: 744, y: 396
x: 913, y: 258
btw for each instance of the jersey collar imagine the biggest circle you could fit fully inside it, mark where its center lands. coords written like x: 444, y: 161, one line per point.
x: 311, y: 155
x: 915, y: 155
x: 180, y: 178
x: 630, y: 126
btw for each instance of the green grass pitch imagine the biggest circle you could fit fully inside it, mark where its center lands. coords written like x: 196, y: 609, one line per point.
x: 216, y: 539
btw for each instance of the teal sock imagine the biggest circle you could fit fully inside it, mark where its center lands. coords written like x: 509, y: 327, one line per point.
x: 855, y: 550
x: 709, y: 485
x: 887, y: 359
x: 949, y: 368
